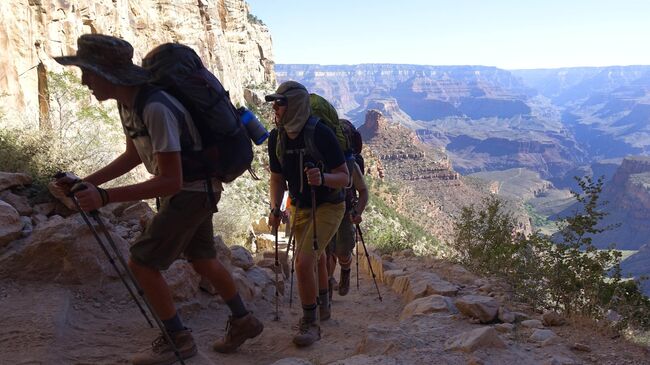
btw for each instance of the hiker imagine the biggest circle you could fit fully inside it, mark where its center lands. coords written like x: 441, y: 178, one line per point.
x: 341, y: 246
x: 290, y: 159
x: 183, y: 223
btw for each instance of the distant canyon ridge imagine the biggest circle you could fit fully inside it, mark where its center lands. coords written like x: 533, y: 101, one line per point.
x: 550, y: 121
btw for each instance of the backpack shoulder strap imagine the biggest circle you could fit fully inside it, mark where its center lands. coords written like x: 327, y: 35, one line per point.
x: 146, y: 95
x: 310, y: 143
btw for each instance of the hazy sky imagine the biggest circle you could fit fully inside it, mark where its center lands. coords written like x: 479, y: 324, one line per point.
x: 508, y: 34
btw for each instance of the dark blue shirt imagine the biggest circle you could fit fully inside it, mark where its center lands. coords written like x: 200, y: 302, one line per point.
x: 293, y: 171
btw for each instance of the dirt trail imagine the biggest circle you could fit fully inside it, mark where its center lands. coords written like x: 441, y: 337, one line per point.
x: 60, y: 325
x: 44, y: 323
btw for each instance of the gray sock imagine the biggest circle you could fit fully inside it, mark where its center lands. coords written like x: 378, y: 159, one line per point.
x: 309, y: 312
x: 324, y: 298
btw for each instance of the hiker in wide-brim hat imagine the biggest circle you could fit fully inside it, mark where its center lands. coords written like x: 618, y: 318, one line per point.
x: 157, y: 130
x: 109, y: 57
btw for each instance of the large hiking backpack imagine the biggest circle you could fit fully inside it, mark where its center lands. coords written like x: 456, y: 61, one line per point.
x: 227, y: 150
x: 356, y: 143
x: 354, y: 155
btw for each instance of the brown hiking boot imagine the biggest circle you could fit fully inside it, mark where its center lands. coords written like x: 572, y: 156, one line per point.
x: 344, y: 286
x: 161, y: 352
x: 308, y: 333
x: 238, y: 331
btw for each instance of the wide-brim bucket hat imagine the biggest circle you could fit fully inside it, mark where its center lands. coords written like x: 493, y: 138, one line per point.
x: 109, y: 57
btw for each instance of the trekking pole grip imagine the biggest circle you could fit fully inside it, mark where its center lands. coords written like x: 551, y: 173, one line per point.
x: 310, y: 165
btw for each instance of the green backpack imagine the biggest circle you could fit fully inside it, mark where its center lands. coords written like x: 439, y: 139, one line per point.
x: 322, y: 109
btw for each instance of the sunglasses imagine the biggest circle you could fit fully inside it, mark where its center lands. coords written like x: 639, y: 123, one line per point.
x: 281, y: 102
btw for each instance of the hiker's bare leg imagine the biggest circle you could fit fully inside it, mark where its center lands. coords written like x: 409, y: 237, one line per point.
x: 306, y: 280
x: 331, y: 264
x: 155, y: 288
x: 345, y: 261
x: 219, y: 277
x: 323, y: 277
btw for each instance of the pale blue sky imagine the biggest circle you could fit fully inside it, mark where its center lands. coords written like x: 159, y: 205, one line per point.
x: 508, y: 34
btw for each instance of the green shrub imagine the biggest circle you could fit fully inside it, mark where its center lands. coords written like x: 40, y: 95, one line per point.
x: 565, y: 273
x: 82, y: 135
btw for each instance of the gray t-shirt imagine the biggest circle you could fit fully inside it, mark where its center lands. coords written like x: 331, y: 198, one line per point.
x: 165, y: 128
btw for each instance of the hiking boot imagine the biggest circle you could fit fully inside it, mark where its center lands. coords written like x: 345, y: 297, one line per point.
x: 344, y: 286
x: 308, y: 333
x: 162, y: 353
x: 325, y: 311
x: 238, y: 331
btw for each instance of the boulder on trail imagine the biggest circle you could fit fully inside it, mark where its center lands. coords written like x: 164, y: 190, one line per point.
x: 241, y: 257
x: 10, y: 179
x: 426, y: 305
x: 62, y: 251
x: 484, y: 337
x: 483, y: 308
x: 10, y: 224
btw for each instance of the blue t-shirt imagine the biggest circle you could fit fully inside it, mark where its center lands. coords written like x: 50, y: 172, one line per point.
x: 293, y: 170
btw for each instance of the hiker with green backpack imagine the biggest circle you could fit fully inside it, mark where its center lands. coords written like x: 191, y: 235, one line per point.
x: 182, y: 145
x: 305, y: 158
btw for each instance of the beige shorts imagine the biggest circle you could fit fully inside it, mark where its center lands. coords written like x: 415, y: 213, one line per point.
x: 328, y: 218
x: 183, y: 225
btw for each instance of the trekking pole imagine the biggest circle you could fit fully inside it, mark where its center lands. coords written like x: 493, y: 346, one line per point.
x: 369, y: 264
x: 276, y: 213
x: 293, y: 261
x: 100, y: 222
x: 310, y: 165
x: 356, y: 243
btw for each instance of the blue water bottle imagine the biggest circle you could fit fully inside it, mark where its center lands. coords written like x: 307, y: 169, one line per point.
x: 256, y: 131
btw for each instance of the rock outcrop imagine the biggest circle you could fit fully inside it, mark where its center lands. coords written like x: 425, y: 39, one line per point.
x: 235, y: 46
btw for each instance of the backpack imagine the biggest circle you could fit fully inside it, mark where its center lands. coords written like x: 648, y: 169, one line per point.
x: 227, y: 150
x: 322, y: 109
x: 356, y: 145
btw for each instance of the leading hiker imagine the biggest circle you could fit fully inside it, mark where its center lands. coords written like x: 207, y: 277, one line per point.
x: 183, y: 224
x: 293, y: 147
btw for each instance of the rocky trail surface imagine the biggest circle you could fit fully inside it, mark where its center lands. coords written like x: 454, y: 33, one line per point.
x: 61, y: 303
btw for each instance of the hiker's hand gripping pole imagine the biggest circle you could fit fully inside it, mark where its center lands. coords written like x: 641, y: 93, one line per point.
x: 311, y: 170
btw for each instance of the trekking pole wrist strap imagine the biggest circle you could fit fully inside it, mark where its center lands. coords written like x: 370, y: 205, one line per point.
x: 104, y: 195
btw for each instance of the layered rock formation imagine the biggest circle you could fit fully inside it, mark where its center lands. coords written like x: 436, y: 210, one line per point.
x: 432, y: 193
x: 236, y: 49
x: 486, y: 118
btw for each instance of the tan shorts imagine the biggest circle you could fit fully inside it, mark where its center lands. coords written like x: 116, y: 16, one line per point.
x: 344, y: 240
x: 328, y: 218
x: 183, y: 225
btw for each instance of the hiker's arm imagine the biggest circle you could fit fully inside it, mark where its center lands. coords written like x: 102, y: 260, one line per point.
x: 168, y: 182
x: 362, y: 189
x: 118, y: 167
x: 277, y: 188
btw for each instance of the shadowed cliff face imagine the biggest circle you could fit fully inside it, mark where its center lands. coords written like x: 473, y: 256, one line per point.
x: 237, y: 50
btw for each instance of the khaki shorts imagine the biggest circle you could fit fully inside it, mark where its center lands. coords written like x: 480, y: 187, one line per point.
x: 328, y: 218
x: 183, y: 225
x: 343, y: 242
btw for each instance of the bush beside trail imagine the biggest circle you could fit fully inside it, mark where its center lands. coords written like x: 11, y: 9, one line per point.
x: 563, y: 272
